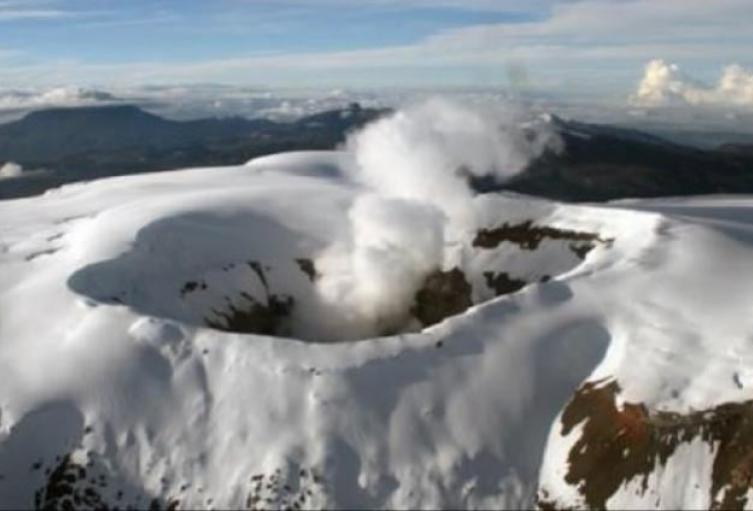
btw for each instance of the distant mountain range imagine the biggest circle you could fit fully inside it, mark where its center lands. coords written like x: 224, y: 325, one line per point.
x: 75, y: 144
x: 601, y: 163
x: 50, y: 135
x: 598, y: 162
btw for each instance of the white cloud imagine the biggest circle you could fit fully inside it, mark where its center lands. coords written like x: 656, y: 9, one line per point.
x: 15, y: 10
x: 664, y: 84
x: 53, y: 97
x: 10, y: 169
x: 577, y: 40
x: 487, y: 5
x: 183, y: 102
x: 588, y: 46
x: 32, y: 14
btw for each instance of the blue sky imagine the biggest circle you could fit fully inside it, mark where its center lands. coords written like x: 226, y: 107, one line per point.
x: 188, y: 29
x: 574, y: 46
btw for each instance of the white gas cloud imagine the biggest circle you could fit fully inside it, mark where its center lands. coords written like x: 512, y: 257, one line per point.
x: 417, y: 203
x: 425, y: 152
x: 664, y: 84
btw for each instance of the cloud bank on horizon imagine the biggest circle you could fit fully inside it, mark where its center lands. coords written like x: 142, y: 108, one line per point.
x: 582, y: 47
x: 28, y: 99
x: 664, y: 84
x: 663, y: 90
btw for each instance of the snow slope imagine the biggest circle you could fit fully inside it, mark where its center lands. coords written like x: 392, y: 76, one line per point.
x: 117, y: 391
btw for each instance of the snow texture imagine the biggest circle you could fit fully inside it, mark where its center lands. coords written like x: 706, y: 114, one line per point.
x: 107, y: 369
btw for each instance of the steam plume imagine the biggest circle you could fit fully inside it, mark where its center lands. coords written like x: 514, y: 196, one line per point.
x: 413, y: 170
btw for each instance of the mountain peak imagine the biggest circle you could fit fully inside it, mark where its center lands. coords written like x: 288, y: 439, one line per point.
x: 103, y: 111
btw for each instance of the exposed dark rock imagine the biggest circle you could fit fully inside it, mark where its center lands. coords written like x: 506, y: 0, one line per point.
x: 41, y: 253
x: 276, y: 491
x: 582, y: 250
x: 68, y: 488
x: 544, y: 503
x: 502, y: 284
x: 528, y: 236
x: 307, y: 266
x: 158, y: 505
x: 620, y: 443
x: 443, y: 294
x: 191, y: 286
x: 259, y: 270
x: 256, y: 318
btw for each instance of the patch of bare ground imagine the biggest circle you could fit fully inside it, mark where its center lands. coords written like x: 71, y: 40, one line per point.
x: 502, y: 283
x: 529, y: 236
x: 252, y: 316
x: 255, y: 318
x: 301, y: 489
x: 40, y: 253
x: 621, y: 443
x: 307, y: 266
x: 72, y: 485
x: 545, y: 503
x: 444, y: 294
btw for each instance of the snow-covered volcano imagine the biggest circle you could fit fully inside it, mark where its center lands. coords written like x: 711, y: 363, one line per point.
x: 118, y: 294
x: 249, y: 256
x: 172, y: 340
